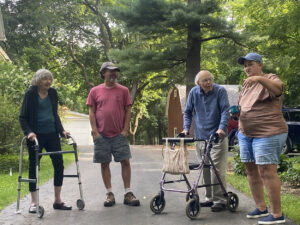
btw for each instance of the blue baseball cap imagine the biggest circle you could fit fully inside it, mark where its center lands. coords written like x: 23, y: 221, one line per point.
x: 250, y: 57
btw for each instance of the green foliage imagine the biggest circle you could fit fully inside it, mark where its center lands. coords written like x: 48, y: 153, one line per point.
x: 284, y: 163
x: 238, y: 165
x: 291, y: 173
x: 153, y: 126
x: 10, y: 130
x: 11, y: 162
x: 14, y: 80
x: 288, y: 168
x: 272, y: 29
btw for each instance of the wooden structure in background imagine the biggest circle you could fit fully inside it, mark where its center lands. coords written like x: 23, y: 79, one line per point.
x: 176, y: 104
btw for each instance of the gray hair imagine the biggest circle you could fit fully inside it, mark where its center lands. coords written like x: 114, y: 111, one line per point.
x: 39, y: 75
x: 197, y: 77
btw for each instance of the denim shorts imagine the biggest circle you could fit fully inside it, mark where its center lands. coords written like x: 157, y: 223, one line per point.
x: 105, y: 147
x: 262, y: 151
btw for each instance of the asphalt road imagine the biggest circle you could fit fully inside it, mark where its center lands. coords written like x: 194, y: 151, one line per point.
x: 146, y: 174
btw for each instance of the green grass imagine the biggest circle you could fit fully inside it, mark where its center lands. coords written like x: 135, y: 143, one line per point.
x: 290, y: 203
x: 9, y: 184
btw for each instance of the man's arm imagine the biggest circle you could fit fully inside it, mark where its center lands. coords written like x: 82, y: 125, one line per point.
x: 225, y: 116
x: 188, y: 114
x: 126, y: 121
x: 93, y: 122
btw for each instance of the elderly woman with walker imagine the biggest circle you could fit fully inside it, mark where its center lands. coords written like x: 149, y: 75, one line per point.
x: 40, y: 122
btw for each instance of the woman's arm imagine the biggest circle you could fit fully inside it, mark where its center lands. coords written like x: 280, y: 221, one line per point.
x: 274, y: 86
x: 23, y: 117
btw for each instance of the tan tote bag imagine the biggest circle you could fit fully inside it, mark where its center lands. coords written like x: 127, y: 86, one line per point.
x: 175, y: 160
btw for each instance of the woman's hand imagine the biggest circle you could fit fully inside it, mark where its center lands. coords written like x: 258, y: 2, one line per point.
x: 66, y: 134
x: 251, y: 80
x: 31, y: 136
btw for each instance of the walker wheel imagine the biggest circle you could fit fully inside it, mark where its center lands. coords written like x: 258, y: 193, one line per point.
x: 80, y: 204
x: 188, y: 196
x: 232, y: 201
x: 41, y: 212
x: 192, y: 209
x: 157, y: 204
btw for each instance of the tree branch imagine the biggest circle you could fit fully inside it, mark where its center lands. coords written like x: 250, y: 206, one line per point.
x: 82, y: 67
x: 224, y: 36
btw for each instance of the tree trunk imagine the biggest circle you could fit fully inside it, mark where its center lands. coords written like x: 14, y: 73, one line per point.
x: 135, y: 126
x: 193, y: 56
x: 134, y: 90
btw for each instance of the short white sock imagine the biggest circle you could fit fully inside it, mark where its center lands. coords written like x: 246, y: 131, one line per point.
x: 109, y: 190
x: 127, y: 190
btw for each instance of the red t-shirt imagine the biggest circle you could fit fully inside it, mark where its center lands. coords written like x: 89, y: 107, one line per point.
x: 110, y: 108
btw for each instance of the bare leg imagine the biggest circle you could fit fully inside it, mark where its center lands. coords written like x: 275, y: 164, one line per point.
x: 272, y: 183
x: 57, y: 191
x: 106, y: 175
x: 126, y: 172
x: 33, y: 198
x: 256, y: 185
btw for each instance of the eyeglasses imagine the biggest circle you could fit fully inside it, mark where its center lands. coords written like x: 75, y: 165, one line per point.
x: 205, y: 81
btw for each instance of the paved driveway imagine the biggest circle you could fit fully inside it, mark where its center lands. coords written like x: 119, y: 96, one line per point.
x: 146, y: 173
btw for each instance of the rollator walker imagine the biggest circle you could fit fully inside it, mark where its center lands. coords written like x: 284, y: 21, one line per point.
x: 192, y: 209
x: 40, y: 209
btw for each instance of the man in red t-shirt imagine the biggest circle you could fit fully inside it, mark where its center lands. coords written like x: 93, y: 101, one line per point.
x: 109, y: 111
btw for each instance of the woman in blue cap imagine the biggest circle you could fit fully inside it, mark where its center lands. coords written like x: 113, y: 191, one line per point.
x: 262, y: 134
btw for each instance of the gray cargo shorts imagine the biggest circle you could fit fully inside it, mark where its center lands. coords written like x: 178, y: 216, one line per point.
x: 105, y: 147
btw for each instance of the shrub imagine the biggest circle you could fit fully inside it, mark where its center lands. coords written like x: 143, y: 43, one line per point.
x: 292, y: 172
x: 8, y: 162
x: 238, y: 165
x: 10, y: 131
x: 14, y: 80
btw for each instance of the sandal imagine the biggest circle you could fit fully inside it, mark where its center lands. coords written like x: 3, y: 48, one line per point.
x: 32, y: 209
x: 61, y: 206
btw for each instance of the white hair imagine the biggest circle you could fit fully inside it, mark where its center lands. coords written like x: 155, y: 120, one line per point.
x: 39, y: 75
x: 197, y: 77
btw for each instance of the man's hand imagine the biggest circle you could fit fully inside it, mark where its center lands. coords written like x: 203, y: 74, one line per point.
x: 124, y: 133
x: 95, y: 134
x: 221, y: 133
x: 31, y: 136
x: 185, y: 132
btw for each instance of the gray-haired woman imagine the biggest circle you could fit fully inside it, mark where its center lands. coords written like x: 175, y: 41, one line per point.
x: 39, y: 119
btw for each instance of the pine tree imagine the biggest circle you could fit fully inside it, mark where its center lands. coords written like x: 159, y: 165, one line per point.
x: 172, y: 33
